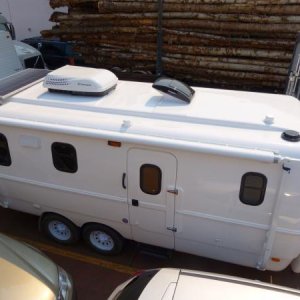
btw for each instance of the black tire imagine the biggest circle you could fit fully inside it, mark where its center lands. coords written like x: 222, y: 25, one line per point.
x: 103, y: 239
x: 60, y: 229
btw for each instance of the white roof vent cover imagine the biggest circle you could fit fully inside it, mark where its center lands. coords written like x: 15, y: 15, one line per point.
x: 81, y: 81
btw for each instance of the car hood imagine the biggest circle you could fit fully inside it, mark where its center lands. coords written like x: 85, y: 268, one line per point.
x: 25, y: 51
x: 26, y: 271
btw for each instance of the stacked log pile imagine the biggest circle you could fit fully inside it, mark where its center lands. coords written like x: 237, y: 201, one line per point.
x: 246, y: 44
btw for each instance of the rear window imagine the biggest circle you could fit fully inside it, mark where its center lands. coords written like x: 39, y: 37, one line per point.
x: 253, y: 188
x: 136, y: 286
x: 5, y: 159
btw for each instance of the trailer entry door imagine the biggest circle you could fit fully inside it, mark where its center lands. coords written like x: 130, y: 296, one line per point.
x: 151, y: 175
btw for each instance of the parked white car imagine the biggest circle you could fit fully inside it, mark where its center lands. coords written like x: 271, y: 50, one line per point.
x: 28, y: 274
x: 179, y: 284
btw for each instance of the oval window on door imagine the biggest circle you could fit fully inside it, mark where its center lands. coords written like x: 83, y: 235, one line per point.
x: 150, y: 179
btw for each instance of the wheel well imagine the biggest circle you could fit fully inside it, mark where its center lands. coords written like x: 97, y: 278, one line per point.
x: 41, y: 218
x: 95, y: 223
x: 43, y: 215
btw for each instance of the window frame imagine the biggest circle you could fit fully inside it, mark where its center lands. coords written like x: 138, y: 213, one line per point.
x: 263, y: 188
x: 8, y: 156
x: 57, y: 167
x: 142, y: 178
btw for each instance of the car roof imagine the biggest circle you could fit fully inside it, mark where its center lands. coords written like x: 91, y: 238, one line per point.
x: 188, y: 284
x: 191, y: 285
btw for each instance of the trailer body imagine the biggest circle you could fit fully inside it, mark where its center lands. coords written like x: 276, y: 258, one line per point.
x: 217, y: 177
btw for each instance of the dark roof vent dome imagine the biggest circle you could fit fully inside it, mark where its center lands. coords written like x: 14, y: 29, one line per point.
x: 174, y: 88
x: 291, y: 136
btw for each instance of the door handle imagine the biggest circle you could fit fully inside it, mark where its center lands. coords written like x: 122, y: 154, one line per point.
x: 123, y: 181
x: 173, y: 191
x: 135, y: 202
x: 174, y: 229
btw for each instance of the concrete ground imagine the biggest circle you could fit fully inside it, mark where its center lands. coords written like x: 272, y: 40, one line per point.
x: 95, y: 276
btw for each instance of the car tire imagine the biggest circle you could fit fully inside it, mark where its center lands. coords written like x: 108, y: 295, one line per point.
x: 60, y: 229
x: 102, y: 239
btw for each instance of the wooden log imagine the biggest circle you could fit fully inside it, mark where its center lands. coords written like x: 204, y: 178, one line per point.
x: 55, y: 17
x: 238, y: 76
x: 229, y: 26
x: 175, y: 37
x: 243, y: 18
x: 69, y: 31
x: 58, y: 3
x: 257, y: 7
x: 228, y: 60
x: 99, y: 62
x: 186, y: 62
x: 254, y: 8
x: 75, y: 30
x: 183, y: 24
x: 230, y: 52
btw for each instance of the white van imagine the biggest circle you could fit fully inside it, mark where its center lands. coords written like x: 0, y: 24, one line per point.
x: 215, y: 175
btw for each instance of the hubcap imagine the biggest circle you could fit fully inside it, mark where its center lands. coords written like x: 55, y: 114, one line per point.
x: 101, y: 240
x: 59, y: 230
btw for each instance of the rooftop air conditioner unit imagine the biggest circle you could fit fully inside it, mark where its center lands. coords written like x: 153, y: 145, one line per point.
x: 81, y: 81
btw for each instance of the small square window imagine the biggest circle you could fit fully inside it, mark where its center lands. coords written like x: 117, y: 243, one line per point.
x: 5, y: 159
x: 64, y: 157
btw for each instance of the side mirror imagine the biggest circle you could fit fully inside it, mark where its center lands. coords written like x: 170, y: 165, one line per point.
x: 11, y: 30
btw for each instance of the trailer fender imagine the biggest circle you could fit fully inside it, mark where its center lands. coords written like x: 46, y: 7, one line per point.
x: 295, y: 265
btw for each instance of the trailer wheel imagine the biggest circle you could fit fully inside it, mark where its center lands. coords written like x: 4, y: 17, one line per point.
x: 60, y: 229
x: 103, y: 239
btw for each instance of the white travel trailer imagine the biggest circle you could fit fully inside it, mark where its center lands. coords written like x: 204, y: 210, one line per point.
x: 216, y: 175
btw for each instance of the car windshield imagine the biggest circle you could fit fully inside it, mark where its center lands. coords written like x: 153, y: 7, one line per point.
x: 136, y: 286
x: 3, y: 27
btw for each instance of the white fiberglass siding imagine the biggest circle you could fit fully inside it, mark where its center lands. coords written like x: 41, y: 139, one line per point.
x: 34, y: 185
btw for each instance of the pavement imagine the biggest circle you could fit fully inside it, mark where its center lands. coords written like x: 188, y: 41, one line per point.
x: 95, y: 276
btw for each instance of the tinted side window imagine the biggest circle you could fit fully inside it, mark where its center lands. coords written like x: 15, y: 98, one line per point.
x: 64, y: 157
x: 150, y: 179
x: 253, y: 188
x: 5, y: 159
